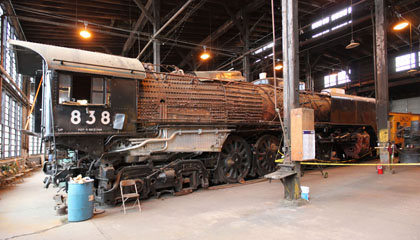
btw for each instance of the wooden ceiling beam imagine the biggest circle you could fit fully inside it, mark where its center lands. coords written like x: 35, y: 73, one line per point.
x: 224, y: 27
x: 185, y: 17
x: 257, y: 23
x: 144, y: 10
x: 138, y: 27
x: 310, y: 3
x: 92, y: 11
x: 399, y: 36
x: 71, y: 26
x: 80, y: 6
x: 113, y: 2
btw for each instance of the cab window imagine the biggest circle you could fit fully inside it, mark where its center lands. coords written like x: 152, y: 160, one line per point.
x: 82, y: 89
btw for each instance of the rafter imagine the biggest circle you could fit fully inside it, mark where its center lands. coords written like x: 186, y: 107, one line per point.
x: 138, y: 27
x: 144, y: 10
x: 224, y: 27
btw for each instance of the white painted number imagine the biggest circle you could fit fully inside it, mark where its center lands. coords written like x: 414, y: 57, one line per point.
x: 75, y: 117
x: 92, y: 118
x: 105, y: 118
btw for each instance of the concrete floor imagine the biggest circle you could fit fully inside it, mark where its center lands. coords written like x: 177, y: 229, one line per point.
x: 353, y: 203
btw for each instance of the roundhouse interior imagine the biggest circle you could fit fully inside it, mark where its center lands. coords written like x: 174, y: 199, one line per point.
x: 127, y: 119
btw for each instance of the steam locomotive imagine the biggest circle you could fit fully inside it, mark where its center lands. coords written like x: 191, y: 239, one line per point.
x: 115, y: 118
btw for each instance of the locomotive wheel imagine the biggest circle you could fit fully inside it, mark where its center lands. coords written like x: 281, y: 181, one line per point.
x: 266, y: 152
x: 235, y: 160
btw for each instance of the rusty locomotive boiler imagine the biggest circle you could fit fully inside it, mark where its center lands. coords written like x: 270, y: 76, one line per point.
x: 115, y: 118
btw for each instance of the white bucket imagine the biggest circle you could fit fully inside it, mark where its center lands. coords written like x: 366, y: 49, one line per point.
x: 304, y: 192
x: 263, y: 75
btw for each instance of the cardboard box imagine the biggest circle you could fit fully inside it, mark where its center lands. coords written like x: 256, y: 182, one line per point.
x: 302, y: 134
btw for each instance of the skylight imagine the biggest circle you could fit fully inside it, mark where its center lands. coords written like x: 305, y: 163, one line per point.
x: 262, y: 49
x: 321, y: 22
x: 341, y: 25
x: 333, y: 17
x: 321, y: 33
x: 341, y: 14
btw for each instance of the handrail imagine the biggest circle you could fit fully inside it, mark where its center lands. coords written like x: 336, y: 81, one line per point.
x: 97, y: 65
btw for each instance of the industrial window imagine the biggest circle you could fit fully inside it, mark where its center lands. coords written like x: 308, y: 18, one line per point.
x: 321, y: 22
x: 11, y: 122
x: 10, y: 63
x: 330, y: 80
x: 82, y: 89
x: 35, y: 142
x: 341, y: 14
x: 11, y: 125
x: 340, y: 25
x: 336, y: 79
x: 405, y: 62
x: 301, y: 86
x: 333, y: 17
x: 264, y: 48
x: 321, y: 33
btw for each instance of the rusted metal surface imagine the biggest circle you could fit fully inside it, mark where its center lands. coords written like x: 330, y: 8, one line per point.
x: 183, y: 98
x: 360, y: 146
x: 347, y: 109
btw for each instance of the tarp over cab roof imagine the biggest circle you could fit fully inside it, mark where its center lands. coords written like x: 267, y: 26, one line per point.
x: 75, y: 60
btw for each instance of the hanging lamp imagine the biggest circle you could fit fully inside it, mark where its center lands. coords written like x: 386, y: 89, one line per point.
x: 352, y: 44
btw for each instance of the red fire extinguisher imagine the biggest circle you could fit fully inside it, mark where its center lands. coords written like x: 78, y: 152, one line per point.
x: 379, y: 169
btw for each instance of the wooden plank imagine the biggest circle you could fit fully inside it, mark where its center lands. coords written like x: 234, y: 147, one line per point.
x: 302, y: 119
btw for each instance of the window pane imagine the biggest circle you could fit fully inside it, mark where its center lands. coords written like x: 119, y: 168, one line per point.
x: 97, y: 98
x: 405, y: 62
x: 336, y: 79
x: 64, y: 88
x: 97, y: 84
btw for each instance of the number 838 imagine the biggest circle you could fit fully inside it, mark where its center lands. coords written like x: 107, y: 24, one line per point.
x: 75, y: 117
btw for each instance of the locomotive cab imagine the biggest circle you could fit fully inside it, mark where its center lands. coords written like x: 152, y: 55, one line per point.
x: 85, y: 98
x: 85, y: 92
x: 92, y: 103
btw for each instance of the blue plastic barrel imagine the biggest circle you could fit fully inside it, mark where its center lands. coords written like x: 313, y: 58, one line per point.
x: 80, y: 201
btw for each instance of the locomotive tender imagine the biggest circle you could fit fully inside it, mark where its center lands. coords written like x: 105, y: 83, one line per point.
x: 115, y: 118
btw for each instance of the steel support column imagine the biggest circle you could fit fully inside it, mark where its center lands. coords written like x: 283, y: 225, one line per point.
x: 309, y: 84
x: 381, y: 81
x: 290, y: 45
x: 246, y: 60
x: 156, y: 27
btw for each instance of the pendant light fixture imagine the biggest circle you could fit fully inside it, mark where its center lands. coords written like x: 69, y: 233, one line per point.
x: 352, y: 44
x: 400, y: 26
x: 85, y: 33
x: 205, y: 55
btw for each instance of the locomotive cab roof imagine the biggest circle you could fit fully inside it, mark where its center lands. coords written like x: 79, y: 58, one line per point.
x: 75, y: 60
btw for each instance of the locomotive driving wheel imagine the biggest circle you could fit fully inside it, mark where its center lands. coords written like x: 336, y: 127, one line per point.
x: 266, y: 149
x: 235, y: 160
